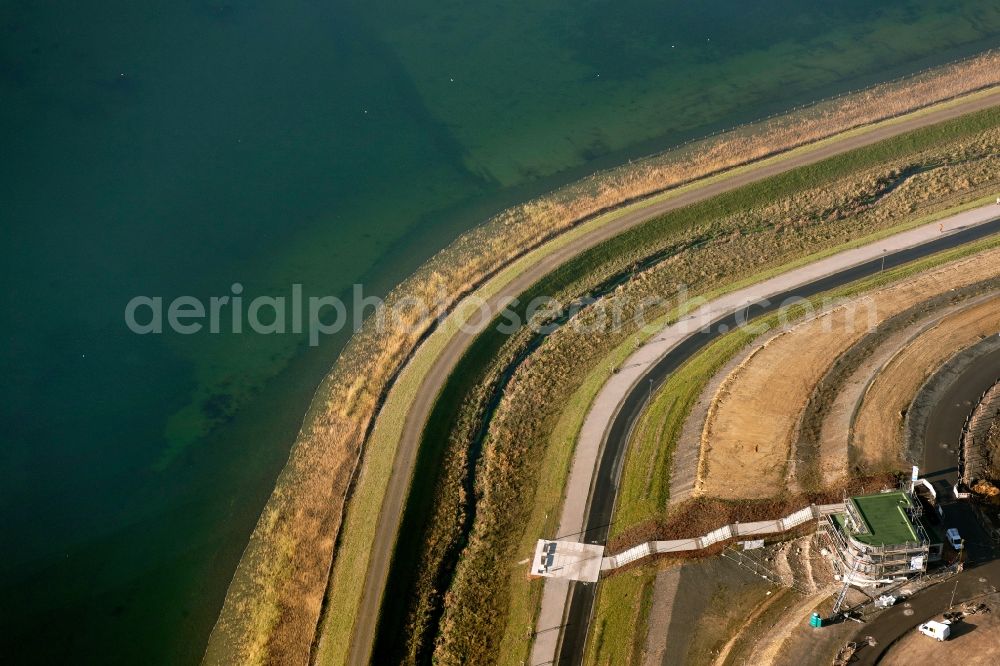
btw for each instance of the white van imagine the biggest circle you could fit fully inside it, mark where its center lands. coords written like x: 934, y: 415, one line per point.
x: 936, y: 630
x: 954, y: 538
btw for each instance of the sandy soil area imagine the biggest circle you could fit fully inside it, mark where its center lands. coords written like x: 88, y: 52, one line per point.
x: 747, y: 435
x: 687, y: 451
x: 836, y: 427
x: 746, y: 441
x: 877, y: 431
x: 781, y: 634
x: 716, y: 610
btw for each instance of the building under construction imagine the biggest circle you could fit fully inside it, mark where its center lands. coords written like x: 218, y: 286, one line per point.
x: 880, y: 538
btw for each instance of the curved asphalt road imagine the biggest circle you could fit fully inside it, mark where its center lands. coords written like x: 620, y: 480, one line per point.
x: 399, y: 483
x: 600, y: 506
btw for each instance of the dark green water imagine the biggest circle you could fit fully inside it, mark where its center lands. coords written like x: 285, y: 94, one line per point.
x: 166, y: 149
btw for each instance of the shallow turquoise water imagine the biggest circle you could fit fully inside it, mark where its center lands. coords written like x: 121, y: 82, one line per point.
x: 176, y: 148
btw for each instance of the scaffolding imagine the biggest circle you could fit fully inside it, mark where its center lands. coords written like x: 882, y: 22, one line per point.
x: 866, y: 563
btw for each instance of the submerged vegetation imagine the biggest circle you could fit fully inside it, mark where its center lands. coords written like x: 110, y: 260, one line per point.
x: 275, y: 600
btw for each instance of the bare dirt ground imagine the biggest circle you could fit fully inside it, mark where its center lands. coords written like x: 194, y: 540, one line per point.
x: 717, y: 611
x: 746, y: 441
x: 975, y: 641
x: 684, y: 471
x: 747, y: 436
x: 771, y: 644
x: 781, y: 633
x: 664, y: 595
x: 877, y: 431
x: 835, y: 430
x: 834, y: 436
x: 696, y: 605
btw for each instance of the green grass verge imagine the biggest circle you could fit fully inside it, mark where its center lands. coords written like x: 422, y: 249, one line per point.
x: 620, y: 635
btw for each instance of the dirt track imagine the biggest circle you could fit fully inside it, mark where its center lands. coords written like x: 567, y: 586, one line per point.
x: 433, y: 382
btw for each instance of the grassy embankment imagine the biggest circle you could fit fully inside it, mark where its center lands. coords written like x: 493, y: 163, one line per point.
x: 506, y: 482
x: 629, y: 597
x: 643, y: 494
x: 589, y: 195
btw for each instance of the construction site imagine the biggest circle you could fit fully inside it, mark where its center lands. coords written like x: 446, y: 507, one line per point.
x: 880, y: 538
x: 912, y: 385
x: 865, y: 570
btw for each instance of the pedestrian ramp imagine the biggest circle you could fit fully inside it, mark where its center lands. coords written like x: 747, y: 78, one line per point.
x: 585, y: 562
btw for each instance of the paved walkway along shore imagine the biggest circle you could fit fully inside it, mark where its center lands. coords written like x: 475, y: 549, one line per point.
x: 395, y: 497
x: 613, y: 393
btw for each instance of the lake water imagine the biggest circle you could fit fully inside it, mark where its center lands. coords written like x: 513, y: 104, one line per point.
x: 176, y: 148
